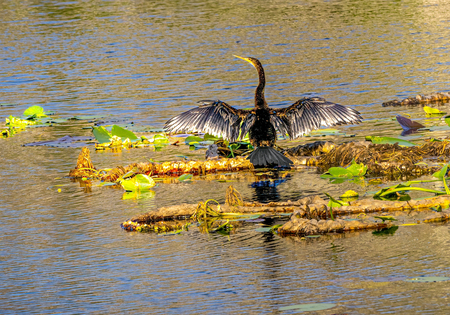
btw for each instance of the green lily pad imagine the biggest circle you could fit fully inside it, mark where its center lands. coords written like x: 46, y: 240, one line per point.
x: 123, y: 133
x: 441, y: 174
x: 101, y: 134
x: 35, y: 110
x: 350, y: 195
x: 389, y: 140
x: 210, y: 137
x: 140, y: 182
x: 160, y: 139
x: 432, y: 111
x: 308, y: 307
x: 192, y: 139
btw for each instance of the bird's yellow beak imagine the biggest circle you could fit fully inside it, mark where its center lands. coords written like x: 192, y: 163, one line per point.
x: 246, y: 59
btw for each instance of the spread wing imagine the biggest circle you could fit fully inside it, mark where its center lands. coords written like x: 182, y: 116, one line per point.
x: 214, y: 117
x: 311, y: 113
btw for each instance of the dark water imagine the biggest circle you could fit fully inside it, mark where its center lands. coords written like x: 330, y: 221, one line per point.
x: 64, y: 252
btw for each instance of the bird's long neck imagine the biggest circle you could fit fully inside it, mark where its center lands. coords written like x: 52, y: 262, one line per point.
x: 260, y: 101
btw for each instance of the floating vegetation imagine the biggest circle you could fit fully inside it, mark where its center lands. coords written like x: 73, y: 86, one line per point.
x: 30, y: 117
x: 420, y: 99
x: 120, y: 137
x: 158, y: 227
x: 387, y: 160
x: 157, y: 169
x: 84, y: 167
x: 233, y: 197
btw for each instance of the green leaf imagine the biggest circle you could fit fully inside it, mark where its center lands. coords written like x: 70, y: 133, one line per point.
x: 192, y: 139
x: 123, y: 133
x: 357, y: 169
x: 350, y: 195
x: 389, y: 140
x: 432, y: 111
x: 210, y: 137
x: 335, y: 203
x: 392, y: 192
x: 140, y: 182
x: 101, y: 134
x: 34, y: 110
x: 339, y: 172
x: 160, y: 139
x: 441, y: 174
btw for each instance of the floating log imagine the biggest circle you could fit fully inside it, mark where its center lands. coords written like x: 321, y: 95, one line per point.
x: 310, y: 215
x: 420, y: 99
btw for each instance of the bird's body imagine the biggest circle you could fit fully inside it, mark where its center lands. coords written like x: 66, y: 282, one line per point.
x: 220, y: 119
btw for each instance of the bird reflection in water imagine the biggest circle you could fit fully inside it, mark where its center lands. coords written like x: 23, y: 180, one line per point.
x: 266, y: 189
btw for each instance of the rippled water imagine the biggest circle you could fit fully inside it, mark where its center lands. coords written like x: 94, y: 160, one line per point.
x: 64, y: 252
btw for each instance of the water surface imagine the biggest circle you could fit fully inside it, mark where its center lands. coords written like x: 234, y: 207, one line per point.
x: 64, y: 252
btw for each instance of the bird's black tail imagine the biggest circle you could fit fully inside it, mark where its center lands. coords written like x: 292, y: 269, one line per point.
x: 268, y: 157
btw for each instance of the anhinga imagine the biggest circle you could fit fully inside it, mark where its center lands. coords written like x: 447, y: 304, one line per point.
x: 220, y: 119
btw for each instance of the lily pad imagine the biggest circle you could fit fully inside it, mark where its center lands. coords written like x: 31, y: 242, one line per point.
x: 390, y: 140
x: 350, y: 195
x: 192, y: 139
x: 101, y: 134
x: 433, y: 111
x: 35, y: 110
x: 139, y: 182
x: 441, y: 174
x: 308, y: 307
x: 123, y: 133
x: 160, y: 139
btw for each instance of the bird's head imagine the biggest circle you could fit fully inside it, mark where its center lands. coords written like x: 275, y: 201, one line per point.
x: 255, y: 62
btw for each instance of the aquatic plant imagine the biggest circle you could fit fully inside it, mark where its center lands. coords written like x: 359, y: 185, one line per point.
x: 333, y: 203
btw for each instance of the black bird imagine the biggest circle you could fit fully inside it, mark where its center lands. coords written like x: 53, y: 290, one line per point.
x: 220, y: 119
